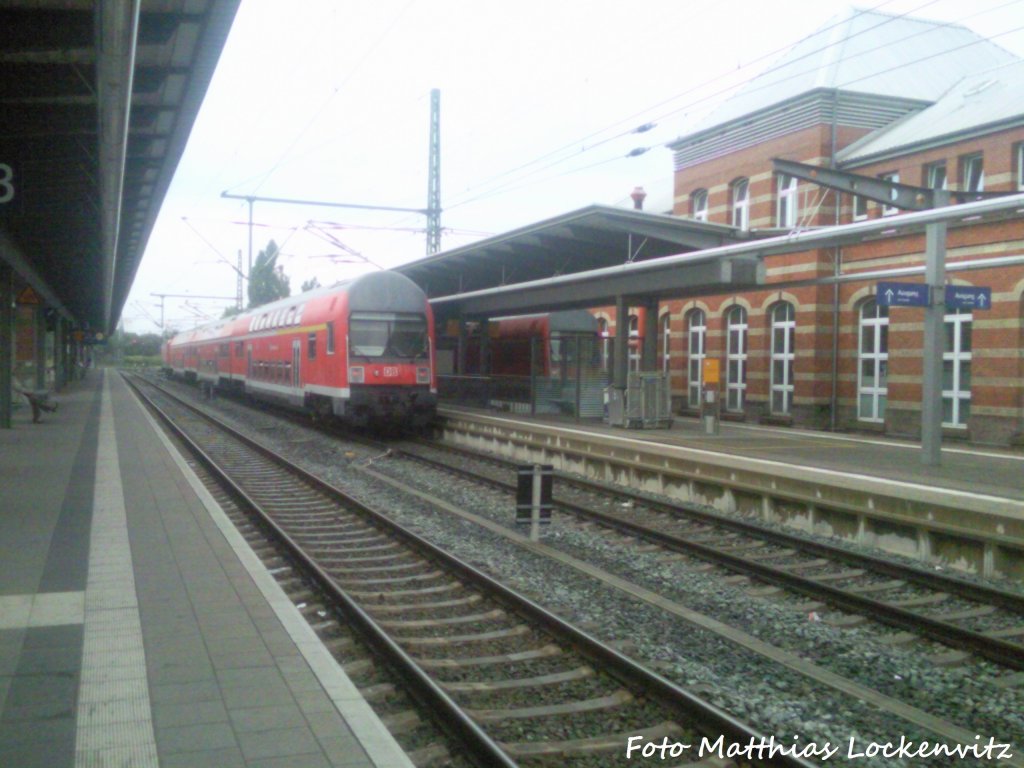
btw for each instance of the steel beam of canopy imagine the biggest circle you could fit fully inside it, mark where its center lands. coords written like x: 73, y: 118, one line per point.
x: 639, y: 287
x: 893, y: 194
x: 115, y: 64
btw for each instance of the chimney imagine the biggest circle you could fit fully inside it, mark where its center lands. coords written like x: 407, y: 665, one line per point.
x: 638, y: 196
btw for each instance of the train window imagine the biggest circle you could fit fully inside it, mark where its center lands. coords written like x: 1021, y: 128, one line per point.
x: 311, y: 353
x: 330, y: 338
x: 375, y: 334
x: 238, y: 348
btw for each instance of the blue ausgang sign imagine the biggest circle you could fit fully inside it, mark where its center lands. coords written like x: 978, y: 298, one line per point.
x: 968, y: 297
x: 902, y: 294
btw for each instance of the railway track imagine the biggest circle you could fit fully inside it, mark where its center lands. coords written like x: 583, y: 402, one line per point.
x: 968, y: 616
x: 510, y: 682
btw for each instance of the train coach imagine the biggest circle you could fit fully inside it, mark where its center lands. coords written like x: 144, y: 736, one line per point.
x: 542, y: 344
x: 360, y: 351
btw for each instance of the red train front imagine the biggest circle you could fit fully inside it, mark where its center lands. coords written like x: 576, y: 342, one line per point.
x: 361, y: 351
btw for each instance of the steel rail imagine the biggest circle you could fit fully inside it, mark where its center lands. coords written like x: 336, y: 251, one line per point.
x: 995, y: 649
x: 707, y: 715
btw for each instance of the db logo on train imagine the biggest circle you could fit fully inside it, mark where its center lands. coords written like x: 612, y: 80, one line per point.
x: 390, y: 371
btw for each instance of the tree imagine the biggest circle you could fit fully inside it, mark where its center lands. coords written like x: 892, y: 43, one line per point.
x: 309, y: 285
x: 267, y: 281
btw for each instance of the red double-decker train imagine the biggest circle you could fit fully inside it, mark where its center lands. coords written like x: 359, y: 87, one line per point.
x: 361, y: 351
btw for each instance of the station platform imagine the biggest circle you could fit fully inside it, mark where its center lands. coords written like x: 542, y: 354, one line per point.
x: 964, y: 468
x: 136, y: 625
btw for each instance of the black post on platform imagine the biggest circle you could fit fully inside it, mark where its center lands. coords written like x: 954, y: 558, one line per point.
x: 534, y: 488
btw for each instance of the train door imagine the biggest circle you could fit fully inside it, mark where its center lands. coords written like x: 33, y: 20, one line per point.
x: 296, y: 359
x: 248, y: 362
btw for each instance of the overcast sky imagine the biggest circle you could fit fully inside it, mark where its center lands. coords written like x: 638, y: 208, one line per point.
x: 330, y: 101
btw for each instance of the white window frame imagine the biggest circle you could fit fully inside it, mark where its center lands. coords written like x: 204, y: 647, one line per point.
x: 860, y: 208
x: 737, y: 340
x: 787, y: 202
x: 931, y: 172
x: 741, y: 203
x: 783, y: 325
x: 666, y: 345
x: 956, y: 384
x: 873, y: 326
x: 890, y: 210
x: 699, y: 202
x: 972, y: 173
x: 696, y: 340
x: 634, y: 347
x: 1019, y: 163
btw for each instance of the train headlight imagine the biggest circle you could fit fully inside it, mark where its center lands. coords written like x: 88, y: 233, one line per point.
x: 422, y: 375
x: 356, y: 374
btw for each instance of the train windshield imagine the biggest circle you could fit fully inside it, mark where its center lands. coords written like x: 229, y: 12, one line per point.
x: 380, y: 334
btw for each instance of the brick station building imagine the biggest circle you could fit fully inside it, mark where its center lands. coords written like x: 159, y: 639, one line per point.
x: 907, y: 100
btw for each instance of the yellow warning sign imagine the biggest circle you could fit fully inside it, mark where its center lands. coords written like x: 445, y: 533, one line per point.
x: 28, y: 296
x: 710, y: 371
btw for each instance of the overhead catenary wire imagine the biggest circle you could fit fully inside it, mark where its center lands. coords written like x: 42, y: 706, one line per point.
x: 663, y: 116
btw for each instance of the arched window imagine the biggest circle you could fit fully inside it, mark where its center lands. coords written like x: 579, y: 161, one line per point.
x: 666, y: 345
x: 736, y: 359
x: 699, y: 205
x: 741, y: 203
x: 956, y: 369
x: 783, y: 319
x: 873, y: 362
x: 696, y: 330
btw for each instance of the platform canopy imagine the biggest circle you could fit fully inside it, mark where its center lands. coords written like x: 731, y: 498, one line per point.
x: 594, y: 241
x: 98, y: 99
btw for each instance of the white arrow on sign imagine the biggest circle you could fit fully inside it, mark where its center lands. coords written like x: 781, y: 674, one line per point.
x: 889, y: 295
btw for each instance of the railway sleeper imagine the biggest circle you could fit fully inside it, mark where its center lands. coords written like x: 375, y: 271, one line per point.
x: 487, y: 686
x: 428, y: 576
x: 598, y: 744
x: 969, y: 613
x: 546, y: 651
x: 342, y: 552
x: 386, y: 558
x: 358, y: 667
x: 431, y: 756
x: 851, y: 573
x: 377, y: 594
x: 478, y: 637
x: 1009, y: 633
x: 1013, y: 680
x: 950, y: 659
x: 818, y: 562
x: 917, y: 602
x: 401, y: 723
x: 379, y: 692
x: 399, y: 624
x: 883, y: 586
x: 612, y: 701
x: 337, y: 569
x: 437, y: 605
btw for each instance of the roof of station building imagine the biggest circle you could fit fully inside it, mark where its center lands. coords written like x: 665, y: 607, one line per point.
x: 902, y: 62
x: 981, y: 103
